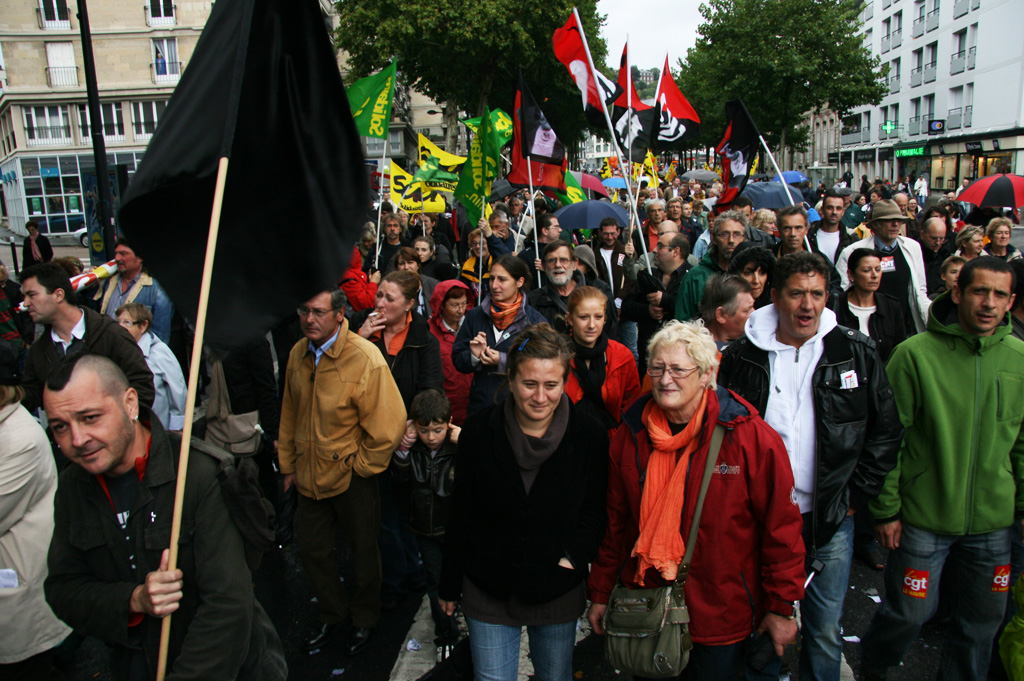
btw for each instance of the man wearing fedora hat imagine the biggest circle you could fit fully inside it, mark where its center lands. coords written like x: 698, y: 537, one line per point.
x: 903, y: 273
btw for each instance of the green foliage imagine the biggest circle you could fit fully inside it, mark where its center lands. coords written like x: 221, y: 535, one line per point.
x: 469, y: 52
x: 784, y: 59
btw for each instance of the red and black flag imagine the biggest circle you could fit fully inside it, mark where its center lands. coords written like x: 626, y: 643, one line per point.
x: 262, y: 89
x: 571, y: 50
x: 534, y: 142
x: 635, y: 123
x: 737, y: 150
x: 678, y: 120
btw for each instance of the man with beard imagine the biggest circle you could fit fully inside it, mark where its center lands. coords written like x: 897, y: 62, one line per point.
x: 552, y: 299
x: 389, y: 247
x: 133, y: 285
x: 550, y: 231
x: 728, y: 231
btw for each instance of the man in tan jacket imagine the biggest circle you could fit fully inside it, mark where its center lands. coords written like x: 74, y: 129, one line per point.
x: 341, y: 418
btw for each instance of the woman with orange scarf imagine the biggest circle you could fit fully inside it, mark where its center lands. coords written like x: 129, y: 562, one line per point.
x: 482, y: 345
x: 747, y: 568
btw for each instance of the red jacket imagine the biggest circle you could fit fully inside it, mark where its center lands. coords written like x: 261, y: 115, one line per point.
x: 456, y: 383
x: 621, y: 381
x: 750, y: 530
x: 361, y: 293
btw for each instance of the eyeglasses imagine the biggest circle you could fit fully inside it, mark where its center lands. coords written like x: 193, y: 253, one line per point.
x: 452, y: 305
x: 673, y: 372
x: 557, y: 261
x: 306, y: 311
x: 128, y: 323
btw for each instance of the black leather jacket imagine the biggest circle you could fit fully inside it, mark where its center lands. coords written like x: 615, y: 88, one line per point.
x: 858, y: 430
x: 429, y: 481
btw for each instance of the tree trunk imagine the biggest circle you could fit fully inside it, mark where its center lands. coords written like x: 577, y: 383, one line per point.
x: 782, y: 150
x: 451, y: 126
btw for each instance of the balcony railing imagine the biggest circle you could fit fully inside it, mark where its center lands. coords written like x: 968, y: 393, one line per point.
x: 166, y: 72
x: 851, y: 137
x: 869, y: 11
x: 46, y: 135
x: 930, y: 72
x: 954, y: 118
x: 897, y: 39
x: 894, y: 84
x: 918, y: 29
x: 161, y: 21
x: 144, y: 130
x: 975, y: 4
x: 112, y: 132
x: 49, y: 20
x: 886, y: 4
x: 62, y: 76
x: 916, y: 77
x: 968, y: 116
x: 960, y: 8
x: 972, y: 55
x: 914, y: 128
x: 932, y: 20
x: 958, y: 62
x: 886, y: 43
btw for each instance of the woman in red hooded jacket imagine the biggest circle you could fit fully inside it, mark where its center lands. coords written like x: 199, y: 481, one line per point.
x: 450, y: 302
x: 360, y: 288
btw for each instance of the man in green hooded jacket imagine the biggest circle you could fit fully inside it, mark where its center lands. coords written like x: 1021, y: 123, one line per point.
x: 957, y: 492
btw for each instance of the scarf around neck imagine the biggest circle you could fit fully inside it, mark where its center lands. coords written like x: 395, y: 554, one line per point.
x: 660, y: 544
x: 531, y: 452
x: 503, y: 314
x: 591, y: 379
x: 36, y: 254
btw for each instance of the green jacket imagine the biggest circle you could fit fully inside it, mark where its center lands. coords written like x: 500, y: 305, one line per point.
x: 691, y: 288
x: 961, y: 400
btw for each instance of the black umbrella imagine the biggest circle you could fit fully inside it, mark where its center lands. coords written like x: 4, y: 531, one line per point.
x: 588, y: 214
x: 500, y: 189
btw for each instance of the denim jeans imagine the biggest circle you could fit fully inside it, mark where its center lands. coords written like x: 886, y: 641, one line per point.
x: 981, y: 565
x: 628, y: 337
x: 496, y: 650
x: 821, y: 652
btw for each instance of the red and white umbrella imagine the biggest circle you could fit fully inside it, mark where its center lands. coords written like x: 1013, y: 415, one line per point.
x: 1001, y: 190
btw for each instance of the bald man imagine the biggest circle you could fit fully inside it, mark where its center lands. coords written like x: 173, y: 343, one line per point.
x: 935, y: 248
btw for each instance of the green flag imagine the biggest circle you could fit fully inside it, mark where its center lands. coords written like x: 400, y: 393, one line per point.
x: 370, y: 99
x: 500, y: 122
x: 431, y: 172
x: 573, y: 192
x: 479, y: 169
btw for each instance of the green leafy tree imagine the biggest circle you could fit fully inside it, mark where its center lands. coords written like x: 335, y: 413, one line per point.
x: 465, y: 55
x: 784, y: 59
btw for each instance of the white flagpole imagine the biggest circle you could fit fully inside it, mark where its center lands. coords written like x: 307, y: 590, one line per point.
x: 533, y: 211
x: 615, y: 142
x: 771, y: 158
x: 380, y: 205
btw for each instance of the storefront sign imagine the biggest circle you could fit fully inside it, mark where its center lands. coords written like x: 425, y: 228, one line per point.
x: 864, y: 155
x: 974, y: 148
x: 833, y: 157
x: 912, y: 151
x: 885, y: 154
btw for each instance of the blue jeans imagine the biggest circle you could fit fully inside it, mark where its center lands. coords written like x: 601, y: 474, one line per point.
x: 628, y: 337
x: 496, y: 650
x: 981, y: 565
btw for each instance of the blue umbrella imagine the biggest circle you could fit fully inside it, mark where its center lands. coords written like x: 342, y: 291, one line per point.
x: 588, y: 215
x: 770, y: 195
x: 614, y: 183
x: 791, y: 177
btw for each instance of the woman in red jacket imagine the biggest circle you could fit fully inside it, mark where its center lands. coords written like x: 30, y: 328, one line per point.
x: 748, y: 565
x: 604, y: 380
x: 451, y: 300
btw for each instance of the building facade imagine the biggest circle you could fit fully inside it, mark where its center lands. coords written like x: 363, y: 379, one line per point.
x: 955, y: 103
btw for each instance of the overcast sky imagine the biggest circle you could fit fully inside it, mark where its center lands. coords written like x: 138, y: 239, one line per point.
x: 653, y: 26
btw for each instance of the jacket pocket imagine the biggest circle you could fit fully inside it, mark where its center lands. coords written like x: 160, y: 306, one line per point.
x: 86, y: 537
x: 1009, y: 398
x: 332, y: 464
x: 846, y: 405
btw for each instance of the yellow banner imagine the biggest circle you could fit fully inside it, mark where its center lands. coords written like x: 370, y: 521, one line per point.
x: 647, y: 170
x: 432, y: 201
x: 446, y: 161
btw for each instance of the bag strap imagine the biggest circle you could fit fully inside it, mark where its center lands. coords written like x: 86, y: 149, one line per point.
x: 716, y: 446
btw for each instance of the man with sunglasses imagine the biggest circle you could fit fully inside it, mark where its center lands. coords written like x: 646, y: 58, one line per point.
x: 341, y: 418
x: 823, y: 388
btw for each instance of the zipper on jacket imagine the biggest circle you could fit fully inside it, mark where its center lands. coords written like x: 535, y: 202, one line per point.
x: 974, y: 442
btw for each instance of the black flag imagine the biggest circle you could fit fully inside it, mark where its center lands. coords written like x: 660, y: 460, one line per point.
x: 262, y: 89
x: 538, y: 141
x: 737, y: 149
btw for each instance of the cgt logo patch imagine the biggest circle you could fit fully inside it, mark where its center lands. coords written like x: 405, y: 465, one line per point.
x: 915, y: 583
x: 1001, y: 579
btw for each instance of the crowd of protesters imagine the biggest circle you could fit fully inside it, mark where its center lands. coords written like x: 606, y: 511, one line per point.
x: 505, y: 415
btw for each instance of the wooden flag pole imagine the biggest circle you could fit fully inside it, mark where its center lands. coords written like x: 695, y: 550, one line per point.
x: 190, y: 401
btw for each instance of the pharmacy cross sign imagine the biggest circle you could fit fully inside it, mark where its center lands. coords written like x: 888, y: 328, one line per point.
x: 889, y: 126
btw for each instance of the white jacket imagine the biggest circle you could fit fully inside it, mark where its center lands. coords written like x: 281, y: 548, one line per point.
x: 28, y: 481
x: 917, y: 296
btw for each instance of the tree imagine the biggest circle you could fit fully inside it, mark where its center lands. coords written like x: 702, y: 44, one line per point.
x: 784, y: 60
x: 465, y: 55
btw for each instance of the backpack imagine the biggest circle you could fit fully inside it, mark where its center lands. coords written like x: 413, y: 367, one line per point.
x: 252, y: 513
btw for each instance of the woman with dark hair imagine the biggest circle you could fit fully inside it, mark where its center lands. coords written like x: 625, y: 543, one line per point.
x: 863, y: 308
x: 432, y: 264
x: 482, y: 345
x: 756, y: 265
x: 527, y: 515
x: 37, y: 248
x: 604, y: 380
x: 407, y: 260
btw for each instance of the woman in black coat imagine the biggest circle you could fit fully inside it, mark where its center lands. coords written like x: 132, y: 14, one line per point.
x: 36, y: 248
x: 527, y: 515
x: 863, y: 308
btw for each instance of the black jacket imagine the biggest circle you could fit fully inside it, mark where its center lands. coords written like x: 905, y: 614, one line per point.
x: 430, y: 480
x: 844, y: 240
x: 547, y: 301
x: 417, y: 366
x: 509, y: 543
x: 45, y: 250
x: 249, y: 374
x: 858, y: 430
x: 635, y: 308
x: 887, y: 325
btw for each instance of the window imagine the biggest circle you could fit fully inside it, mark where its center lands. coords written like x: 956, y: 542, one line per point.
x: 47, y: 125
x: 61, y: 70
x: 375, y: 145
x: 112, y: 121
x: 160, y: 12
x: 7, y: 141
x: 53, y: 14
x: 144, y: 118
x: 166, y: 67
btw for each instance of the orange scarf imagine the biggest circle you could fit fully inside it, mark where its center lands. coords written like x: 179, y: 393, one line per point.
x: 660, y: 544
x: 503, y: 314
x: 398, y: 340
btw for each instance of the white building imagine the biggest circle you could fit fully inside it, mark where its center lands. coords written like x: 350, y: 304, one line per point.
x: 955, y: 102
